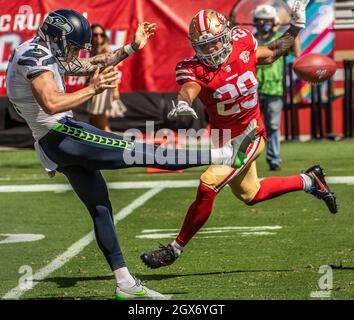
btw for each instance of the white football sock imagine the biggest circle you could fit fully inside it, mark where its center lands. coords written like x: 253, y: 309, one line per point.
x: 123, y: 277
x: 177, y: 249
x: 221, y: 155
x: 308, y: 183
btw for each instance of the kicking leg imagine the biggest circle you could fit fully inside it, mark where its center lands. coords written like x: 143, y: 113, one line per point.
x: 75, y: 143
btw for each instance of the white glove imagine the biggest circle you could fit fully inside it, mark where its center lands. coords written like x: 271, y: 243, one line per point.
x: 181, y: 109
x: 298, y: 12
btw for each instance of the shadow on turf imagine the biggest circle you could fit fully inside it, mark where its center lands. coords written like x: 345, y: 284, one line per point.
x: 340, y: 267
x: 148, y: 277
x: 67, y: 282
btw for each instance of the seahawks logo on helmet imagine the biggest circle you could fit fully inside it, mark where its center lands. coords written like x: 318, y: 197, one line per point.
x: 60, y: 22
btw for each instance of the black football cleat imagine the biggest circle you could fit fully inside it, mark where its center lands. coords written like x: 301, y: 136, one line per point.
x: 159, y: 258
x: 320, y: 188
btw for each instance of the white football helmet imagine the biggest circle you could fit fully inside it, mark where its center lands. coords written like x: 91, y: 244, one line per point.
x: 267, y: 12
x: 208, y: 29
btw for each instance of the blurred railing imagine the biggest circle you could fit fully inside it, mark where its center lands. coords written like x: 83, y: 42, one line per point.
x: 348, y: 130
x: 321, y: 119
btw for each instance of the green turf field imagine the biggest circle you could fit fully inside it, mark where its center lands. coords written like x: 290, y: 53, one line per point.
x: 229, y: 259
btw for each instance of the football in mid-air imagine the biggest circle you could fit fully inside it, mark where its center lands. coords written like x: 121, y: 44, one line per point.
x: 314, y: 67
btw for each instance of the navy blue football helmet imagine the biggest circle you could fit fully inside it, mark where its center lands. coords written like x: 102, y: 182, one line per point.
x: 63, y: 28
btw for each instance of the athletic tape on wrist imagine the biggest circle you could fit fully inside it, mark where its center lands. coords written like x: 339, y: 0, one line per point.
x: 128, y: 49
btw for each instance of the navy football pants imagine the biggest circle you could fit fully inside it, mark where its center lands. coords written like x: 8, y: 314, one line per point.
x: 81, y: 150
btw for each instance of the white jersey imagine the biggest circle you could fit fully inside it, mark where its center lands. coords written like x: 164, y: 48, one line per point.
x: 29, y: 60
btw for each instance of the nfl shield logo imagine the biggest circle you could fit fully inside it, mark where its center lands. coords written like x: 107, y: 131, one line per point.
x: 228, y: 68
x: 245, y: 56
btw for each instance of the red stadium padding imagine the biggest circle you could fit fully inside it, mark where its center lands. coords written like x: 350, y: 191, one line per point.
x: 151, y: 69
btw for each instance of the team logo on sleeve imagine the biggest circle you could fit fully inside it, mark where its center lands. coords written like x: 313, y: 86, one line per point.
x: 245, y: 56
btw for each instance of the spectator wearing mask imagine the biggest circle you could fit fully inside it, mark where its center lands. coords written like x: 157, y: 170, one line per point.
x: 270, y: 79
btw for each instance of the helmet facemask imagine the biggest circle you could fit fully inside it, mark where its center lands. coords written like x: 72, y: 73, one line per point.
x: 60, y: 49
x: 210, y: 37
x: 217, y: 58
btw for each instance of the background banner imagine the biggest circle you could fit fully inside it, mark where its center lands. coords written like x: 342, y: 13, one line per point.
x: 152, y: 69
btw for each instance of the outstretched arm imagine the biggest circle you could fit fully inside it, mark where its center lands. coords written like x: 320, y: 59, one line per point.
x: 88, y: 65
x: 277, y: 48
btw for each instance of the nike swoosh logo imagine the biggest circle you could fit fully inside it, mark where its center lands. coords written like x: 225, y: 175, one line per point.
x: 137, y: 293
x: 37, y: 51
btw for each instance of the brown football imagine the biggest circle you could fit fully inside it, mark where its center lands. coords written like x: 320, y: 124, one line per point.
x: 314, y: 67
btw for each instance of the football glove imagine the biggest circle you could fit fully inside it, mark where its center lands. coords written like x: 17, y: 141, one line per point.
x: 181, y: 109
x: 298, y: 12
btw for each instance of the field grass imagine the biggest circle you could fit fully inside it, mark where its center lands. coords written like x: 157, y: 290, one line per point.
x: 228, y: 264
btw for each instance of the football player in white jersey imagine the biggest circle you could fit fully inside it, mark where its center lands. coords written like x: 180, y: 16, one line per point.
x: 36, y: 88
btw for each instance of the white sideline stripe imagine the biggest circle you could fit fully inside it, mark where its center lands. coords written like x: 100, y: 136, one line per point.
x: 247, y: 234
x: 257, y: 228
x: 165, y: 184
x: 111, y: 185
x: 78, y: 246
x: 241, y: 234
x: 320, y: 294
x: 217, y: 234
x: 20, y: 237
x: 172, y: 233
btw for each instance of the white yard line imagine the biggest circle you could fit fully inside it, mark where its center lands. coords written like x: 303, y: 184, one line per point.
x: 111, y: 185
x: 243, y: 231
x: 20, y: 237
x: 78, y: 246
x: 220, y: 229
x: 165, y: 184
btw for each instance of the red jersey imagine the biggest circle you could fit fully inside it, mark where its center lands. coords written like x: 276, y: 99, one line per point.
x: 228, y: 93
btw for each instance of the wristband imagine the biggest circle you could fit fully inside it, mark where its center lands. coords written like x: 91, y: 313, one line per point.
x: 128, y: 49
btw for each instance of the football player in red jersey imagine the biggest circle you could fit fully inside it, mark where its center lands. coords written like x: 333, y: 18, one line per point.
x: 223, y: 75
